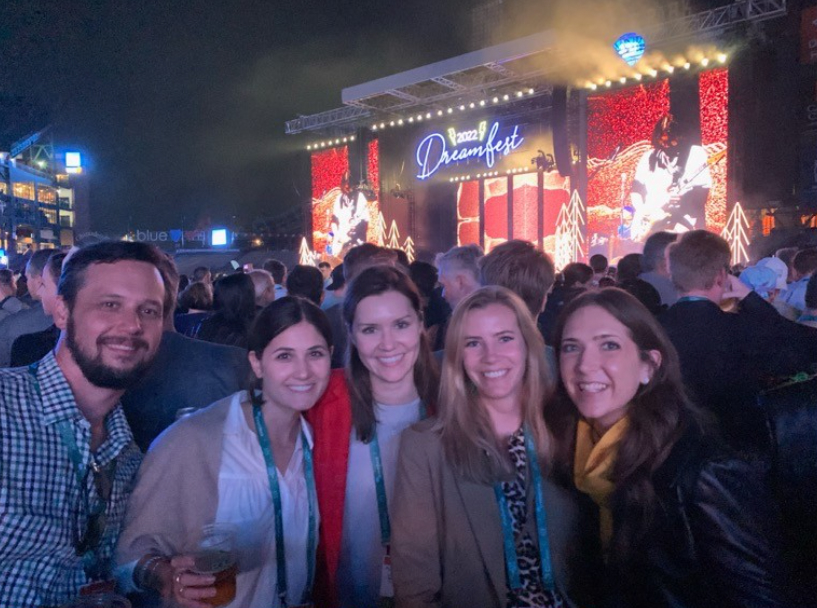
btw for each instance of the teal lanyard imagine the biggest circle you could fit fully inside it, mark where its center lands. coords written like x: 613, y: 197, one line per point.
x: 509, y: 543
x: 693, y: 299
x: 380, y: 485
x: 804, y: 318
x: 92, y: 564
x: 275, y: 490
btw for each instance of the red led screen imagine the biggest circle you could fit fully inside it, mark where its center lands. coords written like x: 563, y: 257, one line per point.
x: 468, y: 213
x: 655, y: 166
x: 496, y: 212
x: 342, y: 215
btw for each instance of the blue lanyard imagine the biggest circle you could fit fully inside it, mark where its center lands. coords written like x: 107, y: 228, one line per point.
x: 693, y: 299
x: 509, y: 543
x: 804, y: 318
x: 272, y: 474
x: 93, y: 566
x: 380, y: 485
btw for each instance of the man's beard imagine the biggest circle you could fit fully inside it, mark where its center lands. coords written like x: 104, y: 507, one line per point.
x: 95, y: 370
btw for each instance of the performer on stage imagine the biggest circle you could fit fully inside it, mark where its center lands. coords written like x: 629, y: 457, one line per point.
x: 671, y: 184
x: 350, y: 219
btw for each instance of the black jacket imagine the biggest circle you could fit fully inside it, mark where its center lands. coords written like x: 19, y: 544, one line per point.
x: 29, y: 348
x: 728, y: 358
x: 714, y: 542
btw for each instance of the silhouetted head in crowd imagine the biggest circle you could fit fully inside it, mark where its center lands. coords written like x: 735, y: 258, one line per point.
x: 326, y: 270
x: 520, y: 267
x: 629, y: 267
x: 786, y: 254
x: 699, y: 264
x: 459, y: 272
x: 577, y: 275
x: 277, y: 269
x: 338, y: 283
x: 51, y: 280
x: 8, y: 286
x: 363, y: 256
x: 424, y: 276
x: 202, y: 275
x: 34, y: 271
x: 599, y: 264
x: 234, y: 305
x: 306, y: 282
x: 804, y: 263
x: 402, y: 258
x: 264, y: 286
x: 196, y: 297
x: 654, y: 258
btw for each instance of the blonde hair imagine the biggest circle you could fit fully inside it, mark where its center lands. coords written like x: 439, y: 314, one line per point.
x: 466, y: 431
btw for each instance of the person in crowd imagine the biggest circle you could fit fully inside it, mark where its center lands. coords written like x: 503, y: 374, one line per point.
x: 809, y: 316
x: 187, y: 375
x: 184, y: 281
x: 401, y: 258
x: 9, y: 302
x: 202, y: 274
x: 436, y: 310
x: 629, y: 267
x: 786, y: 255
x: 264, y: 286
x: 656, y: 270
x: 727, y: 358
x: 682, y: 521
x: 600, y: 266
x: 279, y: 274
x: 480, y: 475
x: 326, y: 272
x: 32, y: 319
x: 390, y: 383
x: 459, y: 272
x: 803, y: 266
x: 760, y: 279
x: 517, y: 265
x: 234, y: 311
x: 306, y: 282
x: 197, y: 300
x: 29, y: 348
x: 334, y: 289
x: 258, y: 478
x: 576, y: 278
x: 67, y: 454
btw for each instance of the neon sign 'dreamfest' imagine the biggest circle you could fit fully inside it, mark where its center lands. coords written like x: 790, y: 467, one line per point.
x: 481, y: 143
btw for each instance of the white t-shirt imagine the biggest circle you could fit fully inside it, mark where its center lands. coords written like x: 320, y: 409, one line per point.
x: 244, y: 500
x: 361, y: 553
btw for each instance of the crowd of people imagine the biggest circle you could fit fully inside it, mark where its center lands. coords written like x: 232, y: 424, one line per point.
x: 482, y: 431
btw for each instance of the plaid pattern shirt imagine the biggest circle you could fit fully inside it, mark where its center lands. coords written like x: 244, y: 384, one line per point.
x: 42, y: 508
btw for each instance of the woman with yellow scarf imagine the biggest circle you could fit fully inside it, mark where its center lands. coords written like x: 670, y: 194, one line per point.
x: 683, y: 523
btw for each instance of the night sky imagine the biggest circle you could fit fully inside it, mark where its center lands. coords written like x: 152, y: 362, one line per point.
x: 180, y: 106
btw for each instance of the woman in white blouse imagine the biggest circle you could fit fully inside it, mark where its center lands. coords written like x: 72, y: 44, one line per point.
x: 214, y: 467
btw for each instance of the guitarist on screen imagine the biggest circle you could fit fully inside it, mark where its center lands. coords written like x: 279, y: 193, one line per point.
x: 671, y: 183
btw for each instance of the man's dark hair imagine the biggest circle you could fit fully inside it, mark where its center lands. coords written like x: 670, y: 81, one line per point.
x: 199, y: 273
x: 696, y: 260
x: 598, y: 263
x: 6, y: 277
x: 402, y: 258
x: 72, y: 279
x: 811, y: 292
x: 325, y: 265
x: 519, y: 266
x: 805, y: 262
x: 577, y: 274
x: 54, y: 266
x: 277, y: 269
x: 90, y: 238
x: 307, y: 282
x: 654, y: 248
x: 37, y: 262
x: 362, y: 256
x: 629, y: 267
x: 196, y: 296
x: 424, y: 276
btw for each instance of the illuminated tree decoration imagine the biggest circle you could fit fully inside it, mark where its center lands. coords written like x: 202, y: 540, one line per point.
x: 630, y: 47
x: 736, y: 234
x: 569, y: 237
x: 380, y: 230
x: 305, y: 255
x: 408, y: 247
x: 394, y: 236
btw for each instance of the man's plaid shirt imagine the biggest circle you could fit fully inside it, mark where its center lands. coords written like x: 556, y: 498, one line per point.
x: 42, y: 509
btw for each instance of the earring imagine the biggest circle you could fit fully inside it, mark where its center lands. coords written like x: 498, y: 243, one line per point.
x: 645, y: 380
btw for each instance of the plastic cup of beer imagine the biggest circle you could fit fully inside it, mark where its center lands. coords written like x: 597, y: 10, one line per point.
x: 215, y: 555
x: 102, y: 600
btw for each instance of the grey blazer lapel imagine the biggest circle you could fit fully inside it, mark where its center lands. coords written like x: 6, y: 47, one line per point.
x: 482, y: 513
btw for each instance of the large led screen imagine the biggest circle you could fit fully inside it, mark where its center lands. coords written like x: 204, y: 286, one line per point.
x: 657, y: 160
x: 343, y: 214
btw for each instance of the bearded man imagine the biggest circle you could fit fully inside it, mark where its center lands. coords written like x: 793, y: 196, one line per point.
x: 67, y: 457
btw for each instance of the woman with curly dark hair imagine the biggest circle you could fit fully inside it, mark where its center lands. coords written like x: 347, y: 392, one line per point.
x: 683, y: 522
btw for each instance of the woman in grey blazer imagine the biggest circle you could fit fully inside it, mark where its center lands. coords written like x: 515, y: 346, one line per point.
x: 477, y: 521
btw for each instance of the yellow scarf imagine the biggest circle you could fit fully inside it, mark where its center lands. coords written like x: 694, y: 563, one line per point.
x: 593, y: 466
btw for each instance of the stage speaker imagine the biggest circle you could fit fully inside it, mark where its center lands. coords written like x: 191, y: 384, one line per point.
x: 561, y: 147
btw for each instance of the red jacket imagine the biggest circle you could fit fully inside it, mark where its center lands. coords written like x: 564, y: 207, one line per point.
x: 331, y: 420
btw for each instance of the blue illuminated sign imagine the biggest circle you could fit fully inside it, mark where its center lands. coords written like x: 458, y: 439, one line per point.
x: 630, y: 47
x: 73, y: 160
x: 218, y: 237
x: 482, y: 143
